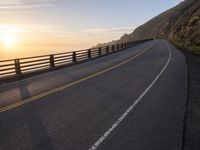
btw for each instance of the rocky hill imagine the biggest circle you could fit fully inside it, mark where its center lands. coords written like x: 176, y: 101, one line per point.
x: 180, y: 25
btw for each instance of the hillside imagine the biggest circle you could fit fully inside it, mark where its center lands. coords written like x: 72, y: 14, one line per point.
x: 180, y: 25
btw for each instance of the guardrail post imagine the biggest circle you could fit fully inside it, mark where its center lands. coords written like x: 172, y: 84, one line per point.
x: 89, y: 54
x: 113, y: 48
x: 74, y: 57
x: 17, y: 66
x: 107, y: 49
x: 99, y: 51
x: 51, y: 60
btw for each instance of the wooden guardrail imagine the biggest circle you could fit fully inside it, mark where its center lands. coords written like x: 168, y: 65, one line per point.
x: 31, y: 64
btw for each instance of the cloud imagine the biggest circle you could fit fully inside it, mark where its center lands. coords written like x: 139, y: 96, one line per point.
x: 24, y: 4
x: 62, y: 32
x: 49, y: 29
x: 120, y: 30
x: 10, y: 29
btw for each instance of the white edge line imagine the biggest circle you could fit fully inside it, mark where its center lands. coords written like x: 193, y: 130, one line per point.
x: 124, y: 115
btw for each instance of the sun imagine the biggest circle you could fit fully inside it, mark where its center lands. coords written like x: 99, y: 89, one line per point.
x: 8, y: 40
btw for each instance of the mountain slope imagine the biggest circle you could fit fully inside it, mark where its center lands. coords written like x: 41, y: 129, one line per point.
x: 180, y: 24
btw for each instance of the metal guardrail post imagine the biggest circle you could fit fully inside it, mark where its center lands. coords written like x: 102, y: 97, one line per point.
x: 107, y: 49
x: 99, y: 51
x: 113, y: 48
x: 17, y: 66
x: 74, y: 57
x: 89, y: 54
x: 51, y: 60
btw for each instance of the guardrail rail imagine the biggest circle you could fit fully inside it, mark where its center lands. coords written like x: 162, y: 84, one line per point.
x: 20, y: 66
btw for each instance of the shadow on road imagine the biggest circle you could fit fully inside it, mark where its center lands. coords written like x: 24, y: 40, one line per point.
x: 25, y: 120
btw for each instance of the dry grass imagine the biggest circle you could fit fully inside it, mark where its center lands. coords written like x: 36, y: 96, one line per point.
x: 195, y: 49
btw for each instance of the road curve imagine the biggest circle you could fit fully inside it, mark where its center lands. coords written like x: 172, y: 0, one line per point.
x: 134, y: 99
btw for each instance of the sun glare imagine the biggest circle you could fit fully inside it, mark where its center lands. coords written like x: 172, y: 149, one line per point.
x: 8, y: 40
x: 9, y: 35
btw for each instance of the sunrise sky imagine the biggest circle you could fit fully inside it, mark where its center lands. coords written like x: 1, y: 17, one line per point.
x: 36, y: 27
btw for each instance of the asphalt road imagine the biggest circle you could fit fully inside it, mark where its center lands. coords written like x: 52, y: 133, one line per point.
x: 133, y: 99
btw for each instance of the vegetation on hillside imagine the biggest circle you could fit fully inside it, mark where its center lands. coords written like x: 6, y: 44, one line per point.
x: 180, y: 25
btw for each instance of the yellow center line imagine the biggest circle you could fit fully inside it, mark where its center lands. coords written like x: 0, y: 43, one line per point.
x: 37, y: 97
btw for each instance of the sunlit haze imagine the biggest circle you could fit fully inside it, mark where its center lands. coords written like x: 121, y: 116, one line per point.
x: 36, y: 27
